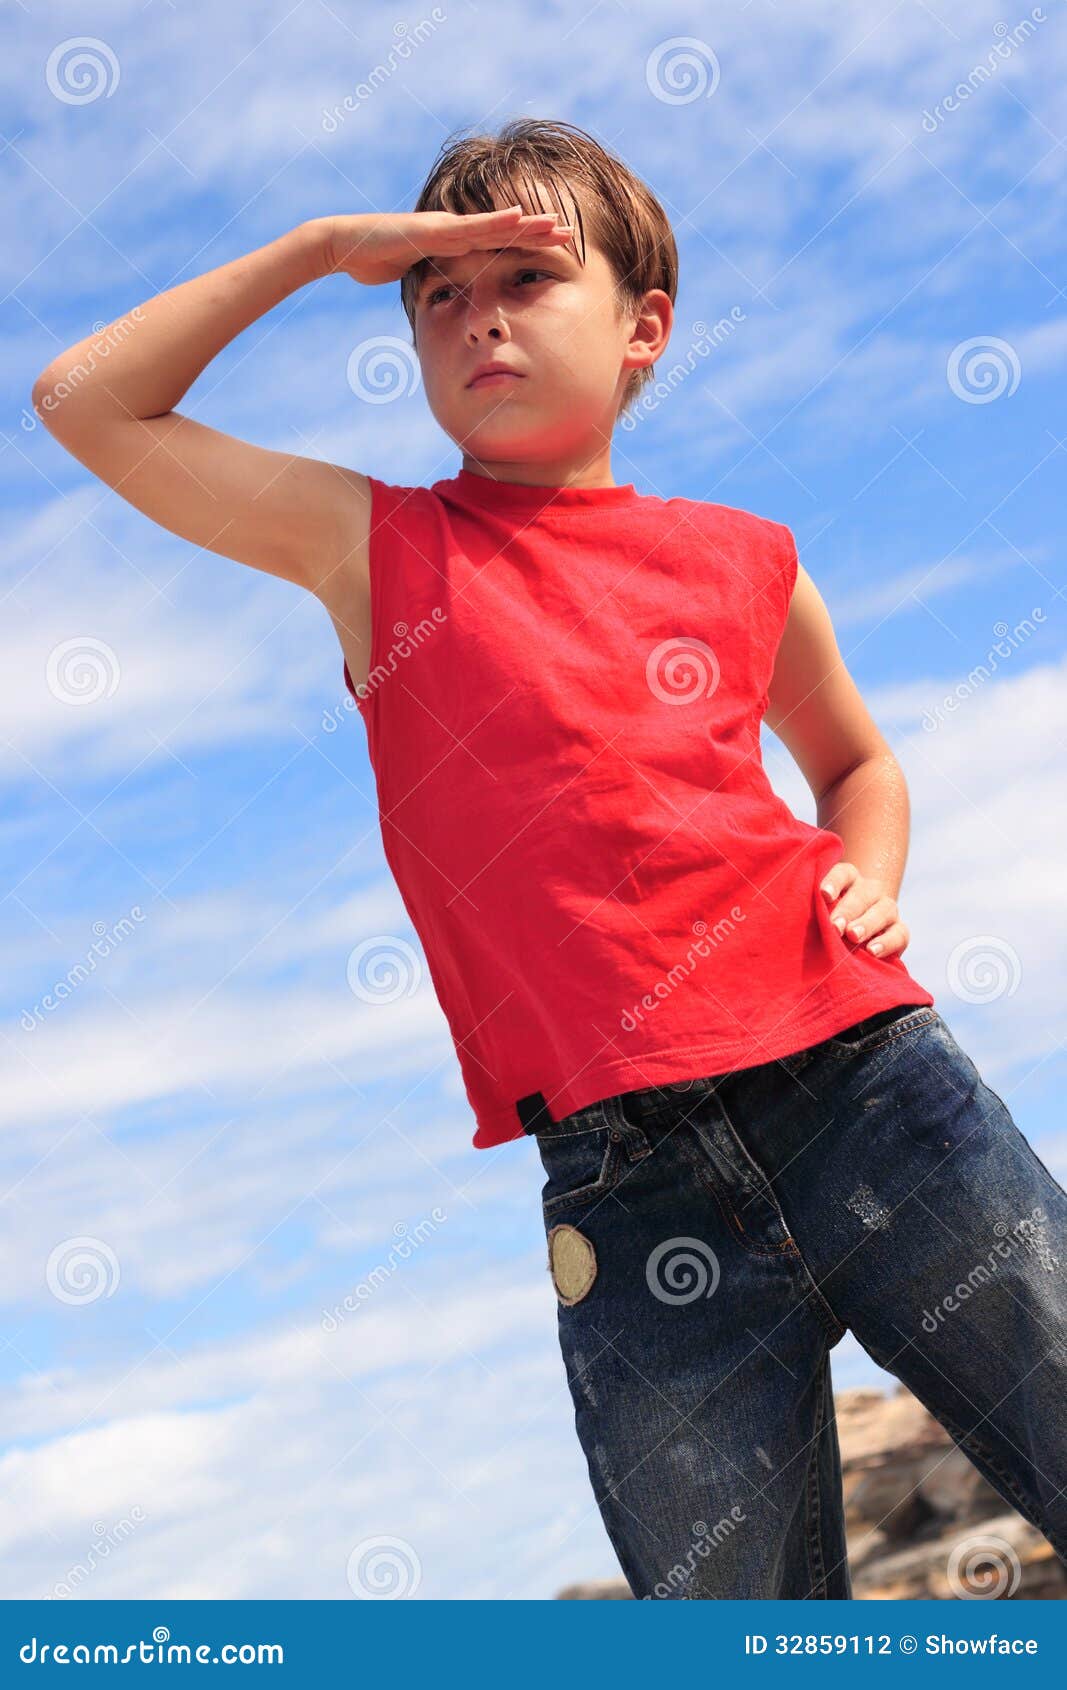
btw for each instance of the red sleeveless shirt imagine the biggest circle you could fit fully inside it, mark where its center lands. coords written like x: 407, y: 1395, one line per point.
x: 562, y: 715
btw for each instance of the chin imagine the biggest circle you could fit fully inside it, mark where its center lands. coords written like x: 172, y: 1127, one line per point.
x: 498, y: 437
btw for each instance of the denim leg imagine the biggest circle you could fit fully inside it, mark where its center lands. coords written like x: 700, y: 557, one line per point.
x: 935, y: 1233
x: 696, y: 1353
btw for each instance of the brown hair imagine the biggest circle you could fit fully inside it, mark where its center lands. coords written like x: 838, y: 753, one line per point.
x: 622, y: 215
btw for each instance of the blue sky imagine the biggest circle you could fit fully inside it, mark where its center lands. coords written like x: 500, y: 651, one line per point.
x: 240, y: 1138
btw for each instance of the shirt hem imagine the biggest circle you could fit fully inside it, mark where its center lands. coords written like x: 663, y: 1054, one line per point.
x: 661, y: 1067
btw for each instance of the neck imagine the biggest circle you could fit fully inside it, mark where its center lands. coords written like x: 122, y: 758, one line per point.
x: 568, y: 471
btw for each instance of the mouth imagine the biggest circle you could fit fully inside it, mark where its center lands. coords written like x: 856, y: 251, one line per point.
x: 494, y: 378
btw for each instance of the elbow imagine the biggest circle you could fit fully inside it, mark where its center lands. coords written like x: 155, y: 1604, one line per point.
x: 51, y: 389
x: 63, y: 400
x: 875, y: 762
x: 41, y: 396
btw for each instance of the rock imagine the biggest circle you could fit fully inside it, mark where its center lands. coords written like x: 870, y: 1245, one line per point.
x: 596, y: 1590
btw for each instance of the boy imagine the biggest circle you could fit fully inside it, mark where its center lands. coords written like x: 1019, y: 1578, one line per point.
x: 758, y: 1131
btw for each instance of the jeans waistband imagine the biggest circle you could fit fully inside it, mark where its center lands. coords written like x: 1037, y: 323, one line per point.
x: 637, y: 1104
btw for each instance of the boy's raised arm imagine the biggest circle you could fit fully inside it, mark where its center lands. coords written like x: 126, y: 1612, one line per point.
x: 109, y: 400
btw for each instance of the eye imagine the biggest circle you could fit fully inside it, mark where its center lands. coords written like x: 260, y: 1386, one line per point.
x: 434, y: 295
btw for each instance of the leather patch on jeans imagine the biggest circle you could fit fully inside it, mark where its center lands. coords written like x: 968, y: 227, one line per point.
x: 571, y: 1262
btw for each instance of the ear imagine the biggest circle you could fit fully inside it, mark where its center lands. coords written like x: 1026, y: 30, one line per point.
x: 653, y: 321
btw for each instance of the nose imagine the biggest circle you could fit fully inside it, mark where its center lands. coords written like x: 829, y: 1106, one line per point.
x: 484, y: 318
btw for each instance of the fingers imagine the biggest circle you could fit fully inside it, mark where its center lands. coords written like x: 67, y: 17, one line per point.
x: 469, y: 230
x: 891, y: 941
x: 834, y: 889
x: 839, y: 878
x: 491, y: 229
x: 869, y: 922
x: 513, y: 213
x: 862, y: 913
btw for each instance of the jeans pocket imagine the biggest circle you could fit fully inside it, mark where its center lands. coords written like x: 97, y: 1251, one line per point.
x: 581, y: 1167
x: 879, y: 1029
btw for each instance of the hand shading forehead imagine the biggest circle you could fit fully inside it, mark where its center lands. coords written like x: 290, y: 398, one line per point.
x: 552, y: 193
x: 440, y: 269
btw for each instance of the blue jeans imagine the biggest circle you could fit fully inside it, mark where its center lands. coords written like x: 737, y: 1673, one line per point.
x: 711, y: 1241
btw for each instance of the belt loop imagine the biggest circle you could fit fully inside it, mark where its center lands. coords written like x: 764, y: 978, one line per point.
x: 633, y: 1136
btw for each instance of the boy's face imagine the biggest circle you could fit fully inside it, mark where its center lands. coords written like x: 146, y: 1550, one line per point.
x: 547, y: 316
